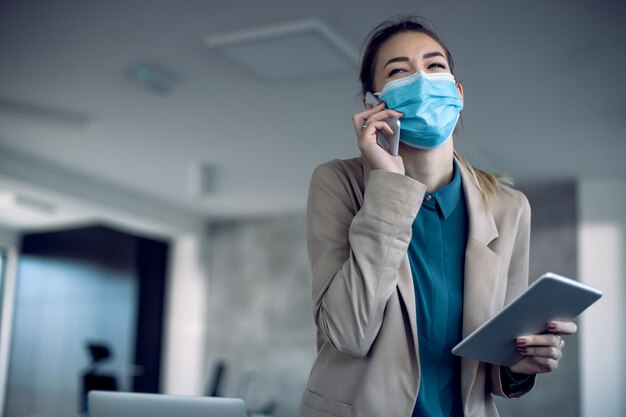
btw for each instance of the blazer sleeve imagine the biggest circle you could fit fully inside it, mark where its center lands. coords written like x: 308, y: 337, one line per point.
x: 516, y: 284
x: 355, y: 252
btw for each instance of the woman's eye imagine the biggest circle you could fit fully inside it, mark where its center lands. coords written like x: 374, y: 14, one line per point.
x: 436, y: 65
x: 396, y: 71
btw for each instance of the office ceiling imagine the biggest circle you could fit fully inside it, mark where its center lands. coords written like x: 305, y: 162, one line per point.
x: 544, y: 87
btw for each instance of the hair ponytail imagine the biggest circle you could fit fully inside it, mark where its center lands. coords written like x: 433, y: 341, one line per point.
x: 488, y: 183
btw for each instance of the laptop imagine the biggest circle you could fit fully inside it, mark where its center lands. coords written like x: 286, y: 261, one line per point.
x: 130, y: 404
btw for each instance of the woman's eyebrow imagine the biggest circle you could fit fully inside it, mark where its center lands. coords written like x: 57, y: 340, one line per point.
x: 397, y: 59
x: 406, y: 59
x: 432, y: 54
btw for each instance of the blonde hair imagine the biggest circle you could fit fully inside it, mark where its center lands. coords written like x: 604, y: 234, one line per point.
x: 488, y: 183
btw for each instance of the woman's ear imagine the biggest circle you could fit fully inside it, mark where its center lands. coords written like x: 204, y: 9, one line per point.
x: 459, y: 87
x: 367, y: 106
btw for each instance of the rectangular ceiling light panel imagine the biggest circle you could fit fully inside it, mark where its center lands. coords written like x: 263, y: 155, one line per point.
x: 291, y: 51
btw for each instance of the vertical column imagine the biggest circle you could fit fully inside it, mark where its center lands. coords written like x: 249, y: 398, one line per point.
x: 602, y: 252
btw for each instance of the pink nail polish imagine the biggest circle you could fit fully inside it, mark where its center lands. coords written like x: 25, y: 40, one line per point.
x: 522, y: 350
x: 551, y: 326
x: 521, y: 341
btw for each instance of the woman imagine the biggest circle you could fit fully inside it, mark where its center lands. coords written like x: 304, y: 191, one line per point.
x: 411, y: 253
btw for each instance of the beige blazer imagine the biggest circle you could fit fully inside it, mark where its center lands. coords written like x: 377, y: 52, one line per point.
x: 359, y: 228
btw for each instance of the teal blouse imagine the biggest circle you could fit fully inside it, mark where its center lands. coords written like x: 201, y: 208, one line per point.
x: 437, y: 259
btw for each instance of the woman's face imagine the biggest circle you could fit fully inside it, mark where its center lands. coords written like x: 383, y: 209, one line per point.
x: 406, y: 53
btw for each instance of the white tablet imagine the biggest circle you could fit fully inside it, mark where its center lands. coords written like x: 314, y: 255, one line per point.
x: 551, y: 297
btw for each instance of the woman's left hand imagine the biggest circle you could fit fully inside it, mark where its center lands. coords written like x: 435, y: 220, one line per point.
x: 542, y: 352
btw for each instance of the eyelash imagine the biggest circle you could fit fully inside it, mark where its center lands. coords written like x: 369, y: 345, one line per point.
x: 431, y: 66
x: 437, y: 64
x: 395, y: 71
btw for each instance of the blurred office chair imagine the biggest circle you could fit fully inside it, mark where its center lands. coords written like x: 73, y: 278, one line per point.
x: 217, y: 379
x: 252, y: 388
x: 92, y: 378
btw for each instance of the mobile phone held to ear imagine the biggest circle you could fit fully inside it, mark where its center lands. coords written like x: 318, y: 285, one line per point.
x: 388, y: 143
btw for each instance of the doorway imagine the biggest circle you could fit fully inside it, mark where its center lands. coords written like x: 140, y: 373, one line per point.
x: 79, y: 289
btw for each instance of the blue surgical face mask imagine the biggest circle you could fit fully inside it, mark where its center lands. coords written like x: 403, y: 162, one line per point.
x: 430, y: 103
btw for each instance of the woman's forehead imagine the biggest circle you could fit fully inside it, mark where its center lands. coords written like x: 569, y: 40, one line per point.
x: 408, y: 44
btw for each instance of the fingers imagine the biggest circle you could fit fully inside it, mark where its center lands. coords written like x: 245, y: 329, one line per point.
x: 360, y: 119
x: 547, y: 346
x: 367, y: 136
x: 375, y: 126
x: 540, y: 340
x: 555, y: 328
x: 553, y: 353
x: 535, y: 365
x: 366, y: 125
x: 542, y: 352
x: 374, y: 114
x: 562, y: 327
x: 544, y: 365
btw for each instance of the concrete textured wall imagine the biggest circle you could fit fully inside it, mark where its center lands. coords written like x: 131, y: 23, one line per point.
x: 553, y: 248
x: 260, y: 310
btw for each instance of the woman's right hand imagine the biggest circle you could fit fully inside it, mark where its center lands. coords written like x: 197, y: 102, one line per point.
x: 366, y: 125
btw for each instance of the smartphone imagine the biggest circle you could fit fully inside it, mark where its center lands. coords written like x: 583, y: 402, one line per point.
x: 388, y: 143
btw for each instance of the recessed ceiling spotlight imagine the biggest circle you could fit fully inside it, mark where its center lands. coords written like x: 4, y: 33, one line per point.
x: 151, y: 78
x: 288, y: 51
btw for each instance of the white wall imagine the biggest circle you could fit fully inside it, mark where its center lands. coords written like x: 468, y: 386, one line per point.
x: 8, y: 243
x: 184, y: 369
x: 602, y: 254
x: 8, y: 237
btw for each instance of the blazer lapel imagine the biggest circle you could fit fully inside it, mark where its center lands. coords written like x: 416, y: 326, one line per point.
x: 482, y: 266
